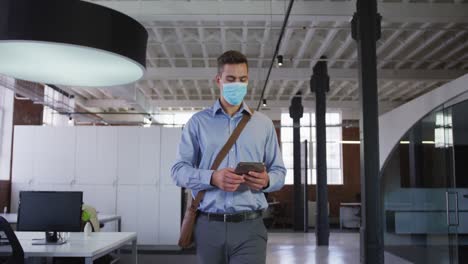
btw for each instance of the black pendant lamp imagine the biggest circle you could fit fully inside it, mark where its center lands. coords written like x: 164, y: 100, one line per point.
x: 70, y: 42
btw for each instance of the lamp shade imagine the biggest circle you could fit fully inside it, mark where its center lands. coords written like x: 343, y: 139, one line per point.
x: 70, y: 42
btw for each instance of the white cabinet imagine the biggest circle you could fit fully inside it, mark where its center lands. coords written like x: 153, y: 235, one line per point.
x: 101, y: 197
x: 54, y: 154
x: 127, y: 197
x: 120, y: 170
x: 149, y: 155
x: 96, y: 155
x: 23, y: 153
x: 86, y: 164
x: 128, y: 155
x: 169, y: 215
x: 148, y: 215
x: 106, y: 148
x: 169, y: 144
x: 139, y: 208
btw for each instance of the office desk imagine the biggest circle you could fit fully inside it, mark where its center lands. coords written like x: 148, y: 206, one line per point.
x: 80, y: 246
x: 103, y: 218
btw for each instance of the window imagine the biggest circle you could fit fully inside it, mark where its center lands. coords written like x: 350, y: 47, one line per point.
x: 334, y: 147
x: 55, y: 100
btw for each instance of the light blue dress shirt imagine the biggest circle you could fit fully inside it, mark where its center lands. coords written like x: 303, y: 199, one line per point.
x: 203, y: 137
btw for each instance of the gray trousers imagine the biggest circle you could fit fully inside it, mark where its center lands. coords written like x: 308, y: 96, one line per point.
x: 233, y: 243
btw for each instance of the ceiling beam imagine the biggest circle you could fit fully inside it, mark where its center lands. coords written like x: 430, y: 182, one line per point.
x: 159, y: 38
x: 396, y: 87
x: 324, y: 46
x: 302, y: 74
x: 132, y: 96
x: 297, y: 88
x: 96, y: 103
x: 450, y: 54
x: 281, y: 89
x: 244, y: 37
x: 201, y: 37
x: 223, y: 36
x: 166, y: 85
x: 185, y: 50
x: 304, y: 46
x: 337, y: 90
x: 454, y: 39
x: 401, y: 47
x: 343, y: 47
x: 285, y: 41
x: 197, y: 87
x: 302, y: 11
x: 426, y: 43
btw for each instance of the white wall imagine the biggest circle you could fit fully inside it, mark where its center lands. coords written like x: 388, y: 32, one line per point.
x: 6, y: 130
x: 121, y: 170
x: 394, y: 124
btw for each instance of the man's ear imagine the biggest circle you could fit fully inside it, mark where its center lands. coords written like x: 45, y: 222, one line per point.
x: 218, y: 80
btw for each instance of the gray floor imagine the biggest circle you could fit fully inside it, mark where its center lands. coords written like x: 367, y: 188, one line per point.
x: 290, y: 248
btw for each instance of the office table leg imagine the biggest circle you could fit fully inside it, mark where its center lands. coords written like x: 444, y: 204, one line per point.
x: 134, y: 252
x: 119, y: 225
x: 88, y: 260
x: 341, y: 218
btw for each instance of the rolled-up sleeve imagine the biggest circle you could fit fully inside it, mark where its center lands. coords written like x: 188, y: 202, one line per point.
x: 185, y: 172
x: 274, y: 162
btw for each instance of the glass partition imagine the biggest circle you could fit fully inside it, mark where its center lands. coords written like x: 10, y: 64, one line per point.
x: 425, y: 188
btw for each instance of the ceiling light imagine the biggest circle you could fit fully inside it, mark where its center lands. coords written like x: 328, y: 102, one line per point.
x: 70, y: 42
x: 147, y: 121
x: 280, y: 60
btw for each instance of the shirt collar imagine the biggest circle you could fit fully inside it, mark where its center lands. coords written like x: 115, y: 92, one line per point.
x: 244, y: 108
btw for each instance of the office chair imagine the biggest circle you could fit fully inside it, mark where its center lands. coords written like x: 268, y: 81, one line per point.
x: 17, y: 255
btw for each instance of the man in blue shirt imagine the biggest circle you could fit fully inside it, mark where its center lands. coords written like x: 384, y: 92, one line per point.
x: 230, y: 227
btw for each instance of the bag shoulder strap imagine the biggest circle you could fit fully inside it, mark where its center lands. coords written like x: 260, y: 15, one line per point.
x: 222, y: 154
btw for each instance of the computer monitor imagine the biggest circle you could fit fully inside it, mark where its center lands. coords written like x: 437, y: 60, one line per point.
x: 50, y: 212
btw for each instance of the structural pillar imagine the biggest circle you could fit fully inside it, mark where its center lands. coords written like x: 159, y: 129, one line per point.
x: 320, y: 84
x: 296, y: 111
x: 366, y: 31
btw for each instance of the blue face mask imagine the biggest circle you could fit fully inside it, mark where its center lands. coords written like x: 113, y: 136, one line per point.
x: 234, y: 92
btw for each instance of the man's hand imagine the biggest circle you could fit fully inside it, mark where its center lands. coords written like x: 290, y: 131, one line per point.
x: 226, y: 180
x: 257, y: 180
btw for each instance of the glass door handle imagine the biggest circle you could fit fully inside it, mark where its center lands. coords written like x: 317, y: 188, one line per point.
x: 447, y: 207
x: 456, y: 208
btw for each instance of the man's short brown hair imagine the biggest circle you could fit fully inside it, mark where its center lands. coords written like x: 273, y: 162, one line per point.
x: 231, y: 57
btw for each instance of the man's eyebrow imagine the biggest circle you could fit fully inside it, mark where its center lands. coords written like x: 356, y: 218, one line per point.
x: 232, y: 76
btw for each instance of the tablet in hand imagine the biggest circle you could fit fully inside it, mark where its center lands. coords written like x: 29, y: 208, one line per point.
x: 245, y: 167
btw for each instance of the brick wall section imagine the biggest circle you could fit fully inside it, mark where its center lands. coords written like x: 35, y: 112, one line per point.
x: 336, y: 193
x: 5, y: 188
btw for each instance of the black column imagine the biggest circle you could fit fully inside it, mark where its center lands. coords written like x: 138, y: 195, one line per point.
x: 295, y: 112
x: 366, y: 31
x: 320, y: 84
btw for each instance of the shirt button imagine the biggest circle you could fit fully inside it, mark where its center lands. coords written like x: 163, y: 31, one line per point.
x: 232, y: 150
